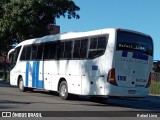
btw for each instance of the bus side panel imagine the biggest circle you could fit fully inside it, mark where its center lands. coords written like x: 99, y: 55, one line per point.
x: 94, y: 75
x: 48, y: 67
x: 72, y: 71
x: 68, y: 70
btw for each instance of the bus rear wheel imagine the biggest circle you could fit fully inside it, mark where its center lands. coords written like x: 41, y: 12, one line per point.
x: 21, y: 85
x: 63, y: 90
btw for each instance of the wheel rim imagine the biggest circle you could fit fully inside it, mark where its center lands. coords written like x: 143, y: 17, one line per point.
x: 63, y: 90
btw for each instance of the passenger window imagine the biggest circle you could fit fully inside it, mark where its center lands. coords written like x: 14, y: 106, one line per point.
x: 39, y: 51
x: 52, y: 50
x: 77, y: 47
x: 102, y: 42
x: 23, y: 54
x: 68, y: 50
x: 84, y: 45
x: 17, y: 51
x: 60, y: 50
x: 97, y: 46
x: 46, y: 51
x: 34, y: 52
x: 93, y: 43
x: 28, y: 53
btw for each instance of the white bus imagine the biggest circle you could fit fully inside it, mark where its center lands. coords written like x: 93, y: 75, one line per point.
x: 106, y: 62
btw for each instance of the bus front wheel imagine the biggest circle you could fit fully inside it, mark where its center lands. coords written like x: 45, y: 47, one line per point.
x: 63, y: 90
x: 21, y: 85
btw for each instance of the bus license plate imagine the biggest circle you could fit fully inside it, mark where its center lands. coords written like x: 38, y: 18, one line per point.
x: 132, y: 91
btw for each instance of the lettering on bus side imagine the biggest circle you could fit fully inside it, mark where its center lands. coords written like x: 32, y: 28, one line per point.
x: 94, y: 67
x: 122, y: 78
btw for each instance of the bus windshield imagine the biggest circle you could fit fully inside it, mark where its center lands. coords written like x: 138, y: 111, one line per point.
x: 134, y: 42
x: 13, y: 55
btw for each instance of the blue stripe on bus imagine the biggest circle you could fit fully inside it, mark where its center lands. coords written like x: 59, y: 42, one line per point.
x: 124, y: 53
x: 39, y: 83
x: 34, y: 70
x: 135, y: 55
x: 36, y: 67
x: 27, y: 73
x: 140, y: 56
x: 33, y: 75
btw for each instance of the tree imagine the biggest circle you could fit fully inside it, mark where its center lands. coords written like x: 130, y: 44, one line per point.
x: 27, y: 18
x: 24, y: 19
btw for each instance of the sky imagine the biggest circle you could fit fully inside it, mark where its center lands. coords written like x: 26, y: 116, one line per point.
x: 138, y: 15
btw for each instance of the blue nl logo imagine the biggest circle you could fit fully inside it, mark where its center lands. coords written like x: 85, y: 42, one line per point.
x: 33, y: 71
x: 122, y: 78
x: 136, y: 55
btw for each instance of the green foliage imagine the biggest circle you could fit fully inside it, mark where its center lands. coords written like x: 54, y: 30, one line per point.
x: 155, y: 87
x: 24, y: 19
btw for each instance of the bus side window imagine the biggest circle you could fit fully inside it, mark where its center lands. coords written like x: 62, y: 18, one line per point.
x: 28, y: 54
x: 39, y: 51
x: 34, y: 52
x: 76, y: 51
x: 52, y: 50
x: 46, y: 51
x: 93, y: 43
x: 60, y: 50
x: 68, y: 50
x: 97, y: 46
x: 102, y: 41
x: 15, y: 55
x: 83, y: 51
x: 23, y: 54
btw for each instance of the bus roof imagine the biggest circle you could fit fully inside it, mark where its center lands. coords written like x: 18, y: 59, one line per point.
x: 71, y: 35
x: 66, y: 36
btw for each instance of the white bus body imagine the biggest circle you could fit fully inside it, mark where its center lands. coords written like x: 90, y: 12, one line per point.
x: 107, y: 62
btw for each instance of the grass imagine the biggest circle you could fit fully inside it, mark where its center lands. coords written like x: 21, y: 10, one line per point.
x: 155, y: 87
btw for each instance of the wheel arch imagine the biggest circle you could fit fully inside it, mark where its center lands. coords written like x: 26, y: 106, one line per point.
x: 61, y: 80
x: 20, y: 76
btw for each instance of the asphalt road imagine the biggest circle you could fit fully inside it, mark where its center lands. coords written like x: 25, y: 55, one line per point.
x: 11, y: 99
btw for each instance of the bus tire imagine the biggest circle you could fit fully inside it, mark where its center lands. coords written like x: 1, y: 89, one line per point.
x: 21, y: 85
x: 63, y: 90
